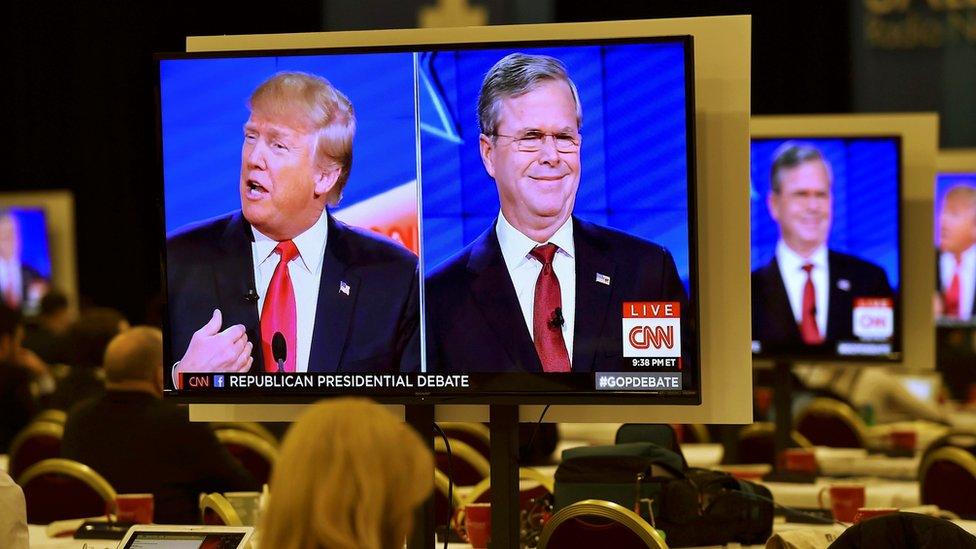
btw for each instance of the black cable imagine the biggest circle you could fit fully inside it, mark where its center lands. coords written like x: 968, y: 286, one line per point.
x: 450, y: 483
x: 791, y: 510
x: 535, y: 431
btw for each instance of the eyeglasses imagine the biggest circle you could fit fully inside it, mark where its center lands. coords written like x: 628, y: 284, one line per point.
x: 533, y: 141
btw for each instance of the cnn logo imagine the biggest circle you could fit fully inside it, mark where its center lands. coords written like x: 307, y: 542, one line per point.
x: 874, y: 319
x: 651, y: 337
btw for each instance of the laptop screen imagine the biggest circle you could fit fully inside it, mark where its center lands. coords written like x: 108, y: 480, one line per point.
x: 185, y: 540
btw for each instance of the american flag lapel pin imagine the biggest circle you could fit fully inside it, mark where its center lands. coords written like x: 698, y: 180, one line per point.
x: 603, y: 279
x: 343, y: 287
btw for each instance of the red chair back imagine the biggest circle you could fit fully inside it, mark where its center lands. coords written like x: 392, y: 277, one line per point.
x: 62, y: 494
x: 37, y: 442
x: 589, y: 532
x: 948, y: 479
x: 253, y: 461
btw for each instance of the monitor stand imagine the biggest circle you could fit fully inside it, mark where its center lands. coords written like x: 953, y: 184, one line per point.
x: 783, y: 406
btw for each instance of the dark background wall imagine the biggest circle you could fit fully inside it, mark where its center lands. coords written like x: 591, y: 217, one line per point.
x: 81, y: 105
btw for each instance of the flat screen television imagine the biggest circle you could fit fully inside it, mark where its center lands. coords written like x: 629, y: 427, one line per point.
x: 826, y: 247
x: 955, y: 239
x: 423, y: 283
x: 839, y: 204
x: 36, y: 248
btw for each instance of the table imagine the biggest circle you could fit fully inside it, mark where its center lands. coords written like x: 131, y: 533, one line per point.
x: 856, y: 462
x: 877, y: 492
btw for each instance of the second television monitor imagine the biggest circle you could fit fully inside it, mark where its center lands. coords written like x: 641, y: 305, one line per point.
x: 826, y: 253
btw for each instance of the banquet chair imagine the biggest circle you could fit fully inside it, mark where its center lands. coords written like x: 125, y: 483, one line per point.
x: 475, y: 435
x: 757, y: 443
x: 216, y: 510
x: 595, y: 523
x: 256, y: 454
x: 481, y: 492
x: 60, y: 489
x: 905, y: 531
x: 662, y: 434
x: 38, y: 441
x: 693, y: 433
x: 467, y: 467
x: 947, y: 478
x: 52, y: 415
x: 249, y: 426
x: 830, y: 422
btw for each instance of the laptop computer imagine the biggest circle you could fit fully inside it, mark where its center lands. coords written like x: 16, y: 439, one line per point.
x: 156, y: 536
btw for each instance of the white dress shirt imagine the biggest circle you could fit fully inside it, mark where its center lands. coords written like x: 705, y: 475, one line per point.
x: 795, y: 279
x: 524, y: 271
x: 305, y: 271
x: 10, y: 279
x: 967, y: 274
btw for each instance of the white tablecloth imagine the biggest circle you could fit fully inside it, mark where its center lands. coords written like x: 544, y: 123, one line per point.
x: 877, y: 493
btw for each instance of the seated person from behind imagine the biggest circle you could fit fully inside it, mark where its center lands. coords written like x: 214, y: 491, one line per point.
x: 141, y: 443
x: 350, y: 476
x: 874, y: 387
x: 46, y: 335
x: 19, y: 370
x: 87, y: 340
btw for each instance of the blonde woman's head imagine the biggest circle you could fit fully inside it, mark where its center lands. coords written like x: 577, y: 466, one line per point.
x: 350, y: 475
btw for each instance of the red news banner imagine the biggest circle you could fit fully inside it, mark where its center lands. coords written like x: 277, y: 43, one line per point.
x: 652, y: 334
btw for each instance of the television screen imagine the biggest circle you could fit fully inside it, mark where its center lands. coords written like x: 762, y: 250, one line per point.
x: 955, y: 241
x: 459, y: 221
x: 826, y: 257
x: 25, y: 258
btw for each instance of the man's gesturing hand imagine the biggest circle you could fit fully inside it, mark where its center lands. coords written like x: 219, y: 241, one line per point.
x: 211, y: 350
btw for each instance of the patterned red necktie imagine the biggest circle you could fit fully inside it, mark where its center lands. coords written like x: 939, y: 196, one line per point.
x: 547, y: 318
x: 808, y: 319
x: 278, y: 313
x: 950, y: 299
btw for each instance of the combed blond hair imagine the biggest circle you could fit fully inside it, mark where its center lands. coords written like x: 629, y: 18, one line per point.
x: 350, y: 475
x: 312, y: 104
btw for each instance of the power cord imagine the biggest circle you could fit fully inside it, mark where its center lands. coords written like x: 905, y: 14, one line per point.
x: 791, y: 510
x: 450, y: 483
x: 535, y: 431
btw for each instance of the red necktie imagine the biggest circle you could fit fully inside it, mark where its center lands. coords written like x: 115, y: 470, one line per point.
x: 808, y: 319
x: 951, y: 297
x: 278, y: 313
x: 547, y: 318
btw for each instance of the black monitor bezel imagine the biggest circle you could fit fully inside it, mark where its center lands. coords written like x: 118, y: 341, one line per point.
x: 588, y: 397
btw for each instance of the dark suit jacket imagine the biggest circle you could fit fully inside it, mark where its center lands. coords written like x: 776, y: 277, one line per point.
x: 375, y: 328
x: 773, y: 323
x: 17, y: 404
x: 142, y: 444
x: 475, y: 323
x: 938, y: 282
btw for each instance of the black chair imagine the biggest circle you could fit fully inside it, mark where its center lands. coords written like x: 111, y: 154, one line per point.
x: 905, y: 531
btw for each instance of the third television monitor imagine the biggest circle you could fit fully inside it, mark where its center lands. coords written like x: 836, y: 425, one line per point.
x: 955, y: 241
x: 826, y: 252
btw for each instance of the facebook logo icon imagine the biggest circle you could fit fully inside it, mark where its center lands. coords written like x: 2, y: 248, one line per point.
x: 218, y: 381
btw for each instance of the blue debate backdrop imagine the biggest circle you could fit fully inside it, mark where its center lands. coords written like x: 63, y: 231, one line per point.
x: 944, y: 182
x: 634, y: 160
x: 866, y: 196
x: 204, y: 108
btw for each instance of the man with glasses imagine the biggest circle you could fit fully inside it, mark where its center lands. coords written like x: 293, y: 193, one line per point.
x: 541, y: 290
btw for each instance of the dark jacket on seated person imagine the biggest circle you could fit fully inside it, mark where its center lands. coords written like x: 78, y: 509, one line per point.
x: 142, y: 444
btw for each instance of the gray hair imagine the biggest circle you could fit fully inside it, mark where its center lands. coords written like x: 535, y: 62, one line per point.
x: 790, y: 155
x: 514, y: 75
